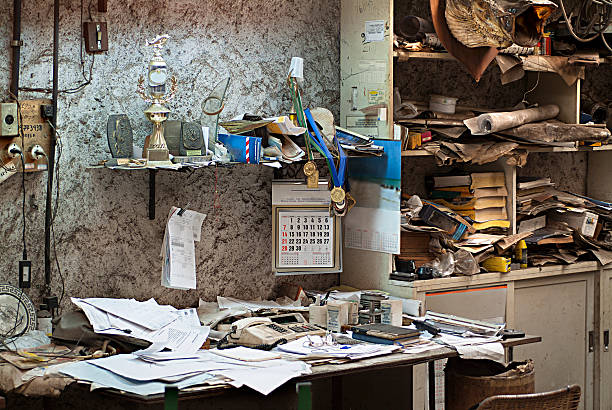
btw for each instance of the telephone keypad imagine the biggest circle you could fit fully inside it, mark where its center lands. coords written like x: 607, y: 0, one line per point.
x: 277, y: 328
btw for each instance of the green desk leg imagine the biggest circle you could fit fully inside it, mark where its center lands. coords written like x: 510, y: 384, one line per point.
x: 304, y: 395
x: 171, y: 398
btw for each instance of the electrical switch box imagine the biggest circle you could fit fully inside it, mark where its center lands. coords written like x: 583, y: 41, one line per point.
x: 96, y: 36
x: 9, y: 126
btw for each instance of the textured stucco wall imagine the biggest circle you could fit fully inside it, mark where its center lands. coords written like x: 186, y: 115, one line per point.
x: 106, y: 245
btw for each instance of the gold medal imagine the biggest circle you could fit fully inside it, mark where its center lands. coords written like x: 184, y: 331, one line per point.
x: 309, y: 168
x: 337, y: 194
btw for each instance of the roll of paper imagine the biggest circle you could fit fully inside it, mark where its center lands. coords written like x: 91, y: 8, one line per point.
x: 494, y: 122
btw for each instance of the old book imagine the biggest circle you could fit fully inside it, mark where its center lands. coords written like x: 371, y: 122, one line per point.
x: 532, y: 182
x: 467, y: 204
x: 484, y: 215
x: 491, y: 191
x: 451, y: 181
x: 488, y: 180
x: 498, y: 223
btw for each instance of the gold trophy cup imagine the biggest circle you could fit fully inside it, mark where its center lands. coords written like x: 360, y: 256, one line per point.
x: 156, y: 150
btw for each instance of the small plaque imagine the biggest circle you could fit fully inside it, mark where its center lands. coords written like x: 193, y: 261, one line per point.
x: 119, y: 135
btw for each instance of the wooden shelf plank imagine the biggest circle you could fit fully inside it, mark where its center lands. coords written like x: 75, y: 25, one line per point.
x: 403, y: 56
x: 424, y: 153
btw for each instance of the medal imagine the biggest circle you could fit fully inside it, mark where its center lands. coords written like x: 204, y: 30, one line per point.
x: 310, y: 168
x: 337, y: 194
x: 338, y: 175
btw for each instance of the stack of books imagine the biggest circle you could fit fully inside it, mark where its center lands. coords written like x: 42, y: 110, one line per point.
x: 479, y: 197
x: 384, y: 334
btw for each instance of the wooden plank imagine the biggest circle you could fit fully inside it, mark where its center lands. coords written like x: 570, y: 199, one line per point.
x: 454, y: 282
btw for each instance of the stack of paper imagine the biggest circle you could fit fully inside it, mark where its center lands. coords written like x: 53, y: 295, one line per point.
x: 162, y: 325
x: 314, y: 347
x: 130, y: 372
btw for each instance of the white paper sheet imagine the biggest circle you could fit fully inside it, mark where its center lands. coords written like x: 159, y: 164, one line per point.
x: 247, y: 355
x: 374, y: 30
x: 147, y: 314
x: 265, y: 380
x: 492, y: 351
x: 372, y: 229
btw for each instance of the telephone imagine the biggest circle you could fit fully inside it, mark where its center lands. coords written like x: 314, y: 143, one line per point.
x: 254, y: 331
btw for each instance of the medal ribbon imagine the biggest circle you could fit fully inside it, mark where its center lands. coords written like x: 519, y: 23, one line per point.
x: 338, y: 174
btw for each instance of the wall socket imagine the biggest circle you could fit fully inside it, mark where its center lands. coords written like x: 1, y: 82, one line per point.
x: 9, y: 120
x: 96, y: 36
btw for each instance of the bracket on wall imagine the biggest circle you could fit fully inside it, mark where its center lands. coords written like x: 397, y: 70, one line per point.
x: 152, y: 175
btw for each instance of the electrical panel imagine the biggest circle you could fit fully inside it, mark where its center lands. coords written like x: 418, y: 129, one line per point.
x: 96, y: 36
x: 9, y: 126
x: 31, y: 129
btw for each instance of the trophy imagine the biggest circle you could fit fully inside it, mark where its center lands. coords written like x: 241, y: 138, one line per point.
x: 156, y: 149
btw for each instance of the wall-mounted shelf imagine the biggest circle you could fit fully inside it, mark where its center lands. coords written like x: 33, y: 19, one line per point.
x: 403, y: 56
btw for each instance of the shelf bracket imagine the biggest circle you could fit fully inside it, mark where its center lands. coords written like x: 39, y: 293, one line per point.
x: 152, y: 174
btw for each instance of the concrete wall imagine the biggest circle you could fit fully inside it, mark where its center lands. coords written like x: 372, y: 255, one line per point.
x: 106, y: 245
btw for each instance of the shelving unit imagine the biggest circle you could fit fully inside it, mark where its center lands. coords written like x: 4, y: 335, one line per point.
x: 535, y: 296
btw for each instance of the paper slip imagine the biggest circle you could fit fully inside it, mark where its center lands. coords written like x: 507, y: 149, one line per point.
x: 178, y: 249
x: 246, y: 354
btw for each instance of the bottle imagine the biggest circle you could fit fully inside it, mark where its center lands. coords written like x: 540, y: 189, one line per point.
x: 520, y: 253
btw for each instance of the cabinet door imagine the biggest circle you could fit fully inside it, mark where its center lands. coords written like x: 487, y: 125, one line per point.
x: 366, y: 69
x: 605, y: 355
x: 561, y: 310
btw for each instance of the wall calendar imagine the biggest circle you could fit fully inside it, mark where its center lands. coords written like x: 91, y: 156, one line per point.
x: 306, y: 236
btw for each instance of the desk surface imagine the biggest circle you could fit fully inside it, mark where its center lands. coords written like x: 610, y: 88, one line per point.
x: 329, y: 370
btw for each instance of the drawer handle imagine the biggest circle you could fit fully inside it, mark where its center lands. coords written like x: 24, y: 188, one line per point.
x: 606, y: 340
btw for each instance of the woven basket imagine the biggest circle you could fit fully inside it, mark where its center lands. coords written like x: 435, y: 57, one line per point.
x: 467, y: 381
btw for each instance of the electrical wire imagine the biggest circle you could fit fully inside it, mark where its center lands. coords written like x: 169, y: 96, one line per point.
x: 587, y: 12
x: 59, y: 149
x: 86, y: 80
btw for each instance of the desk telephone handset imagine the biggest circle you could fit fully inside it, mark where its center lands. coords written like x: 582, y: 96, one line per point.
x: 254, y: 331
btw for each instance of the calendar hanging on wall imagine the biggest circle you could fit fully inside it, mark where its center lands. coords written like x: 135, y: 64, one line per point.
x: 306, y: 236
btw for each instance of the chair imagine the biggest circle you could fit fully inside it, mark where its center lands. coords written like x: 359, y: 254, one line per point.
x: 566, y: 398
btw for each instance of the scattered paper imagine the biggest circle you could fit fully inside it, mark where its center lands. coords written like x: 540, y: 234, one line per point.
x: 492, y: 351
x: 246, y: 354
x: 265, y: 380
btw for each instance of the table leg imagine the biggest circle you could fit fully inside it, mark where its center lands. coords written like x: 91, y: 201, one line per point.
x: 336, y: 392
x: 510, y: 354
x: 432, y: 384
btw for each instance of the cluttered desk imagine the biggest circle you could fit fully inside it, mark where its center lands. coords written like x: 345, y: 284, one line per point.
x: 141, y: 351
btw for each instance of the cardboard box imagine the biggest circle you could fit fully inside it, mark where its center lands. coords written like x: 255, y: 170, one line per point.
x: 391, y: 312
x: 337, y: 315
x: 317, y: 315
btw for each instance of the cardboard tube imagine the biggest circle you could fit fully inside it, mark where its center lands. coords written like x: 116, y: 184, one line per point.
x: 494, y: 122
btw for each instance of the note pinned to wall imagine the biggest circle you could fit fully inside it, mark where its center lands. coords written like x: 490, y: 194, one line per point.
x: 374, y: 223
x: 374, y: 30
x: 178, y: 250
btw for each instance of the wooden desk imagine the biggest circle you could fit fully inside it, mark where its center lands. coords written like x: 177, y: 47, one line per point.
x: 333, y: 372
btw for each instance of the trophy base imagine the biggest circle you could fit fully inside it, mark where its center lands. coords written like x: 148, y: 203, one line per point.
x: 157, y: 156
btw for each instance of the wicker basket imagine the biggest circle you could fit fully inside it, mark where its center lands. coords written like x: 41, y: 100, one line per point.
x: 467, y: 381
